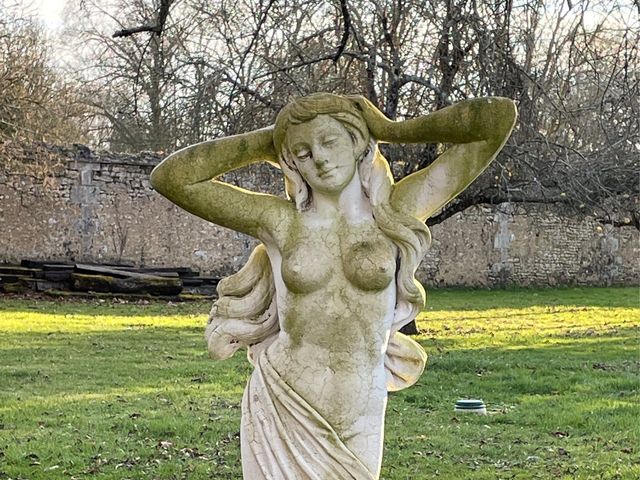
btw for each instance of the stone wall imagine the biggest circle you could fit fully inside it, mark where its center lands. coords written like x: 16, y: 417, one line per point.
x: 73, y: 204
x: 530, y: 245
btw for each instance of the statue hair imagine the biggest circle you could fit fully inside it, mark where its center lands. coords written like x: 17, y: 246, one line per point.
x: 249, y: 294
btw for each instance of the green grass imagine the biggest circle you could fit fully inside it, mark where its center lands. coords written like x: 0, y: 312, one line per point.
x: 105, y: 390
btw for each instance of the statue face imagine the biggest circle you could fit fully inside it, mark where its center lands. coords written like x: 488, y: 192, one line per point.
x: 323, y: 151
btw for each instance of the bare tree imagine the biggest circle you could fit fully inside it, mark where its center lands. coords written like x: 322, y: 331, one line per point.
x: 36, y: 103
x: 226, y: 66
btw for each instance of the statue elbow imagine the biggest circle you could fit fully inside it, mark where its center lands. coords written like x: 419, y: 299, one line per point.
x: 512, y: 112
x: 158, y: 178
x: 508, y: 114
x: 503, y: 113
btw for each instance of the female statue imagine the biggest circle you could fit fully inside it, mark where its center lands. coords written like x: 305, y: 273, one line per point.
x: 321, y: 299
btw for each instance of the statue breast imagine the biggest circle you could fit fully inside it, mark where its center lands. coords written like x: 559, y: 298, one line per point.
x: 369, y: 264
x: 365, y: 256
x: 307, y: 266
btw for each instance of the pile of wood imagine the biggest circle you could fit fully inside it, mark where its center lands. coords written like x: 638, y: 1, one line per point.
x: 121, y: 280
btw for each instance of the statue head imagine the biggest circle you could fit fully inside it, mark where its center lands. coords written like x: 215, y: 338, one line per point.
x: 320, y: 140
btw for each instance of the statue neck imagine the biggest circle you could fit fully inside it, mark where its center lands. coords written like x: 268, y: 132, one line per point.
x: 351, y: 203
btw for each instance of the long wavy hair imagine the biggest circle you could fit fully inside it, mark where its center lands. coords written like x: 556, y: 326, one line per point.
x: 246, y: 313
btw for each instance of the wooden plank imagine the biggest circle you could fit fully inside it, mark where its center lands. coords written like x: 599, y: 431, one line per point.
x: 29, y: 263
x: 44, y: 285
x: 153, y: 273
x: 21, y: 284
x: 17, y: 270
x: 57, y: 275
x: 181, y: 271
x: 5, y: 278
x: 113, y: 272
x: 17, y: 287
x: 208, y: 290
x: 135, y: 284
x: 128, y: 296
x: 58, y: 266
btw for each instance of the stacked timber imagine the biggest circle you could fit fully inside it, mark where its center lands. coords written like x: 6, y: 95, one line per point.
x: 42, y: 276
x: 94, y: 278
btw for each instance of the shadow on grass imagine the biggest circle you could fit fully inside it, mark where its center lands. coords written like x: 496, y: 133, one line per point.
x: 106, y: 362
x: 512, y: 334
x: 464, y: 299
x: 554, y: 310
x: 439, y: 299
x: 134, y: 389
x: 153, y: 308
x: 138, y: 389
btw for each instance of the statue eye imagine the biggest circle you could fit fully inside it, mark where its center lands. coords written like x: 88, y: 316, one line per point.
x: 329, y: 141
x: 303, y: 154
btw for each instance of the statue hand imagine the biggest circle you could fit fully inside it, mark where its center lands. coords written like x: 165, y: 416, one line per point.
x: 378, y: 123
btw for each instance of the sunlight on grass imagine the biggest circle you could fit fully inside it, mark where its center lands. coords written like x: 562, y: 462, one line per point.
x: 37, y: 322
x: 119, y: 394
x: 113, y: 391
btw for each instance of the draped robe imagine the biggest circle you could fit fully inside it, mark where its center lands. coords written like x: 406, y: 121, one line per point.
x: 283, y: 437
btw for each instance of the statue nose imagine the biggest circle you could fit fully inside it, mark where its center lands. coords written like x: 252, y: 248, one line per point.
x: 320, y: 159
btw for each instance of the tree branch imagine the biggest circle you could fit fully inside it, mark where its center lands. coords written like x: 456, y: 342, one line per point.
x: 345, y: 34
x: 127, y: 32
x: 156, y: 29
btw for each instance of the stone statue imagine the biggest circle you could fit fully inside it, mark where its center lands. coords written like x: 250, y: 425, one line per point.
x: 321, y: 299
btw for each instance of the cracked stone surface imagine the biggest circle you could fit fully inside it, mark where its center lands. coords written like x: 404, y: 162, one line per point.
x: 321, y: 299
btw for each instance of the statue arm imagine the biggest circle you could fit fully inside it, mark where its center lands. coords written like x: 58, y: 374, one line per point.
x: 477, y: 128
x: 188, y: 178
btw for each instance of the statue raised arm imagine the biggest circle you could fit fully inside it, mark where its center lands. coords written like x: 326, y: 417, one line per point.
x: 321, y: 299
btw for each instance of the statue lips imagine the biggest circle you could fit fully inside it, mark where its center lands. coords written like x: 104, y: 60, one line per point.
x: 326, y: 173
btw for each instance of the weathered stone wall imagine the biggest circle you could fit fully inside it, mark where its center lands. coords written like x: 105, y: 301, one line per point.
x: 99, y: 207
x: 530, y: 245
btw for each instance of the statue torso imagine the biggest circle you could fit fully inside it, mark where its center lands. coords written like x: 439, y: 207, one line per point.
x: 359, y: 253
x: 336, y: 298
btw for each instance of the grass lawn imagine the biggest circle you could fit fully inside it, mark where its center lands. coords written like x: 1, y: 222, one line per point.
x: 126, y: 391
